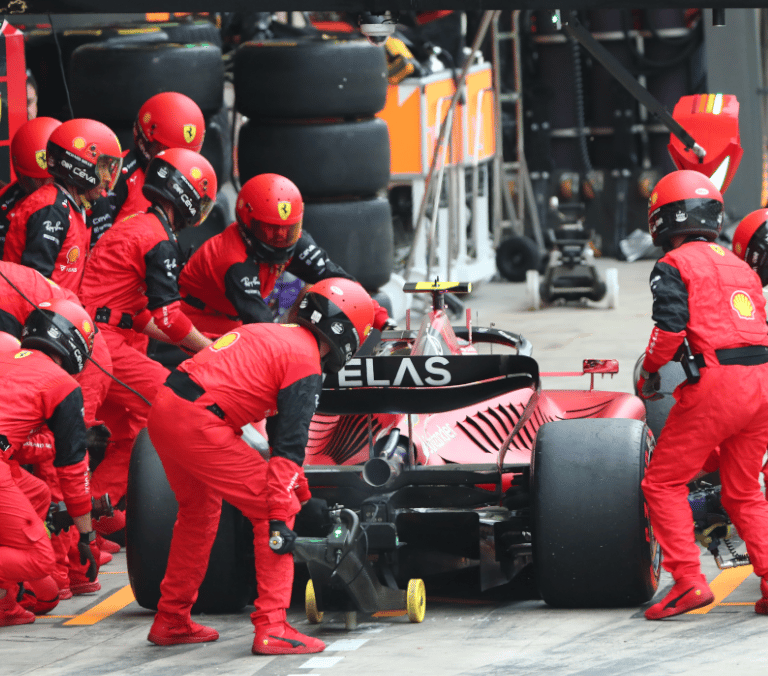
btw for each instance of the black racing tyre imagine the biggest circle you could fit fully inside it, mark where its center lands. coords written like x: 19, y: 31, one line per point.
x: 191, y: 32
x: 515, y: 256
x: 323, y: 159
x: 591, y: 543
x: 151, y: 513
x: 217, y: 145
x: 42, y: 58
x: 656, y: 412
x: 357, y: 236
x: 310, y: 78
x: 110, y: 82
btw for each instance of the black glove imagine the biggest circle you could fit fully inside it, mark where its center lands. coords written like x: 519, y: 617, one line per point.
x: 389, y: 325
x: 87, y: 556
x: 313, y: 519
x: 96, y: 439
x: 648, y: 385
x: 281, y: 538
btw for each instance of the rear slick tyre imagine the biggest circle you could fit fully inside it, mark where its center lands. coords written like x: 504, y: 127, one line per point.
x: 592, y: 542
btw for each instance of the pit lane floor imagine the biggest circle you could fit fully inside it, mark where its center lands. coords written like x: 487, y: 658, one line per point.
x: 502, y: 631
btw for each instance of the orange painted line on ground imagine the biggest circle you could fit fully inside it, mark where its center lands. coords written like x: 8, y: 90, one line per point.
x: 723, y: 585
x: 469, y: 602
x: 390, y: 613
x: 107, y: 607
x: 739, y: 603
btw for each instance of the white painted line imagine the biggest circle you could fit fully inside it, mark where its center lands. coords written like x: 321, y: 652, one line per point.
x: 346, y: 644
x: 321, y: 662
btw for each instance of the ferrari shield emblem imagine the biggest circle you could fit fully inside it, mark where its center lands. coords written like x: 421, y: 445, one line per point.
x: 284, y: 209
x: 190, y: 131
x: 40, y: 159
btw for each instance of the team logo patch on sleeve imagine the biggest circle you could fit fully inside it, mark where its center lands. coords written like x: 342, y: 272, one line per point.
x: 226, y: 340
x: 742, y: 303
x: 22, y: 354
x: 718, y: 250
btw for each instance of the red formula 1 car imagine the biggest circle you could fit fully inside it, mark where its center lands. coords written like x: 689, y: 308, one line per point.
x: 436, y: 458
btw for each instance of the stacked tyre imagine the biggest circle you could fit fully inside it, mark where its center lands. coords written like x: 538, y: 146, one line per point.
x: 111, y: 80
x: 309, y: 108
x: 112, y: 71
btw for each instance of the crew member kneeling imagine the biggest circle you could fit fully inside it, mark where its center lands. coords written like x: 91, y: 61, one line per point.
x: 259, y: 371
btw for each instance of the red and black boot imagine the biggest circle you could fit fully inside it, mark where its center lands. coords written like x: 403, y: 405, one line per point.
x: 169, y: 629
x: 11, y: 613
x: 274, y: 636
x: 688, y: 594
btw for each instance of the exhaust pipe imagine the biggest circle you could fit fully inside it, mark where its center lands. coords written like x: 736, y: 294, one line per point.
x: 387, y: 463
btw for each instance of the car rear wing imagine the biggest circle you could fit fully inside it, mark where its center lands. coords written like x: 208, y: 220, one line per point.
x: 424, y: 384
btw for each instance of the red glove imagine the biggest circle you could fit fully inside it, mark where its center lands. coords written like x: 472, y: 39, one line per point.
x: 381, y: 319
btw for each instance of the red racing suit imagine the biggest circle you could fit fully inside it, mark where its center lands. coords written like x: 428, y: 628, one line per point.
x: 223, y: 287
x: 25, y: 550
x: 127, y: 198
x: 130, y: 278
x: 14, y: 310
x: 10, y: 196
x: 41, y: 392
x: 706, y: 294
x: 48, y: 233
x: 259, y: 371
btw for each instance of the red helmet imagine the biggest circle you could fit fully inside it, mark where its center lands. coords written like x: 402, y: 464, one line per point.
x: 28, y: 147
x: 750, y: 242
x: 684, y: 202
x: 84, y: 153
x: 168, y: 120
x: 269, y: 212
x: 60, y: 327
x: 340, y: 313
x: 8, y: 343
x: 184, y: 179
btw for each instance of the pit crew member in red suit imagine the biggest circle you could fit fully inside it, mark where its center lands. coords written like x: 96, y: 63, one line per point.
x: 165, y: 120
x: 56, y: 341
x: 705, y: 294
x: 38, y: 449
x: 750, y: 243
x: 130, y: 287
x: 226, y: 280
x: 22, y: 552
x: 48, y: 230
x: 28, y: 160
x: 259, y: 371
